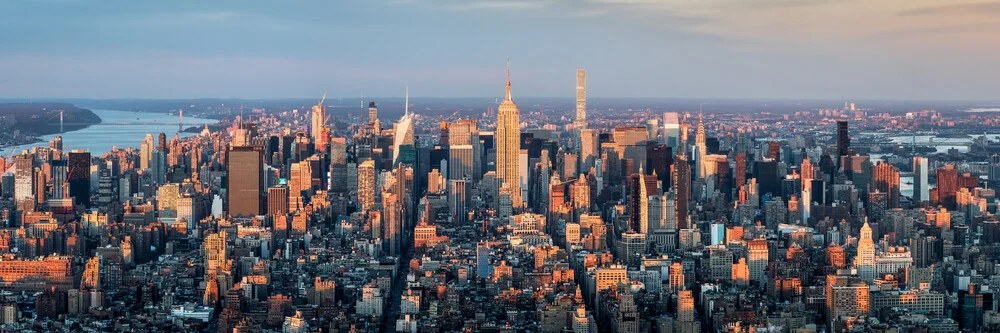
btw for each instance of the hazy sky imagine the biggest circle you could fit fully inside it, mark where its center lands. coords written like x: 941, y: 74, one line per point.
x: 836, y: 49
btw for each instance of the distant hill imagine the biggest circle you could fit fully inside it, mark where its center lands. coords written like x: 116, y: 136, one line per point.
x: 43, y: 118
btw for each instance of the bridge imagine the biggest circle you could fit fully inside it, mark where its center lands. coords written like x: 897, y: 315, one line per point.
x: 120, y: 123
x: 179, y: 123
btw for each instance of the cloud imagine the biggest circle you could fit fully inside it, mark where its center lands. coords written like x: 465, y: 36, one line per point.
x: 982, y: 8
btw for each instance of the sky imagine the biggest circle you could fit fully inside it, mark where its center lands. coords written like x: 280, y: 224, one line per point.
x: 813, y: 49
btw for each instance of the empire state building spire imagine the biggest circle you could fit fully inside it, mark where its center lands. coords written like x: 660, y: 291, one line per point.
x: 507, y: 97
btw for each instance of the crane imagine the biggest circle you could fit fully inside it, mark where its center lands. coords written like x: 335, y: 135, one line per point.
x: 322, y: 100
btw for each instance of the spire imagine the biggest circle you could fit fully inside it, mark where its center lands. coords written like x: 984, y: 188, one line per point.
x: 507, y: 97
x: 406, y: 109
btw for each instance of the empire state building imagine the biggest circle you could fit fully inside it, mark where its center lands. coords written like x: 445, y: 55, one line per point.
x: 509, y: 146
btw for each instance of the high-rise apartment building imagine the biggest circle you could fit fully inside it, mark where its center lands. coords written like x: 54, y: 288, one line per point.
x: 581, y: 100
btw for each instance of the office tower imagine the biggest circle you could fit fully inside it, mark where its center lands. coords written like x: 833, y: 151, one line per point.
x: 766, y: 172
x: 277, y: 201
x: 457, y: 197
x: 403, y: 148
x: 146, y: 149
x: 318, y: 122
x: 681, y: 174
x: 392, y: 223
x: 245, y: 187
x: 373, y: 121
x: 460, y: 162
x: 702, y: 148
x: 640, y: 188
x: 483, y: 267
x: 921, y: 190
x: 758, y: 257
x: 886, y: 180
x: 366, y: 185
x: 947, y: 186
x: 994, y: 171
x: 581, y: 100
x: 466, y: 132
x: 865, y: 260
x: 671, y: 130
x: 60, y: 175
x: 740, y: 170
x: 338, y: 165
x: 843, y: 141
x: 79, y: 177
x: 508, y: 146
x: 24, y: 181
x: 774, y: 150
x: 659, y: 158
x: 717, y: 233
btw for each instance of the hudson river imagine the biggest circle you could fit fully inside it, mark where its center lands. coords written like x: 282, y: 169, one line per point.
x: 100, y: 138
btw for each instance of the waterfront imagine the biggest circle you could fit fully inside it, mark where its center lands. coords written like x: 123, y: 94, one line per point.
x: 101, y: 138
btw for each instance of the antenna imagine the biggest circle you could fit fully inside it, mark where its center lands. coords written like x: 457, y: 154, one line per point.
x: 406, y: 109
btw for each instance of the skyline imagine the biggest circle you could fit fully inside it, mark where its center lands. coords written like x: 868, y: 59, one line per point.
x: 927, y: 50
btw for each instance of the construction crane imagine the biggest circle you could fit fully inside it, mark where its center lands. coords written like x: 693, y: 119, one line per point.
x: 451, y: 116
x: 322, y: 100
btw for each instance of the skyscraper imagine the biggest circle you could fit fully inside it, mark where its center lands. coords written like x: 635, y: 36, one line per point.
x: 460, y: 162
x: 508, y: 145
x: 843, y: 141
x: 24, y: 183
x: 921, y: 190
x: 887, y: 181
x: 682, y: 189
x: 245, y: 173
x: 366, y: 185
x: 78, y: 177
x: 947, y: 186
x: 581, y: 100
x: 277, y: 201
x: 702, y: 147
x: 318, y: 122
x: 758, y: 261
x: 402, y: 145
x: 865, y: 260
x: 146, y: 149
x: 466, y: 132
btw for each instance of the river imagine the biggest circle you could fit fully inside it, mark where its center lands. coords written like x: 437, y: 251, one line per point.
x: 101, y: 138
